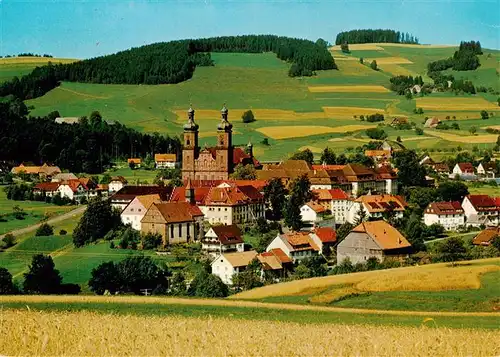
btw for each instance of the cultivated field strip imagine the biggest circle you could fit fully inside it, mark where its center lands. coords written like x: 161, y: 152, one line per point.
x: 455, y: 104
x: 475, y: 139
x: 287, y: 132
x: 88, y: 333
x: 389, y: 60
x: 348, y: 89
x: 165, y: 301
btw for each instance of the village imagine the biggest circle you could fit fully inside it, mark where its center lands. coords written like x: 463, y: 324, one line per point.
x: 338, y: 214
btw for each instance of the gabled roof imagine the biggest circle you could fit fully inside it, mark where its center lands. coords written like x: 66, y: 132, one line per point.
x: 466, y: 167
x: 326, y: 234
x: 240, y: 259
x: 232, y: 196
x: 444, y: 208
x: 300, y: 241
x: 486, y: 236
x: 148, y: 200
x: 441, y: 167
x: 64, y: 176
x: 488, y: 166
x: 128, y: 193
x: 135, y: 160
x: 176, y: 212
x: 200, y: 193
x: 382, y: 203
x: 165, y: 158
x: 328, y: 167
x: 316, y: 207
x: 386, y: 236
x: 483, y: 202
x: 44, y: 169
x: 229, y: 234
x: 47, y: 186
x: 73, y: 184
x: 378, y: 153
x: 241, y: 157
x: 274, y: 259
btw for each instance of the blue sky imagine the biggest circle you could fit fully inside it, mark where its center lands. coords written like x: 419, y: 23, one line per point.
x: 82, y: 29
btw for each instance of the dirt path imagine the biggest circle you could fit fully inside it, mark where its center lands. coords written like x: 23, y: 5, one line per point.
x: 82, y: 94
x: 53, y: 220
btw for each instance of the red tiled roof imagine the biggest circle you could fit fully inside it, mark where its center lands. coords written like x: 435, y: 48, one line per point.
x: 232, y: 196
x: 300, y: 241
x: 384, y: 234
x: 466, y: 167
x: 444, y: 208
x: 483, y: 202
x: 73, y: 184
x: 326, y: 234
x: 316, y: 207
x: 328, y: 167
x: 486, y: 236
x: 177, y: 212
x: 240, y: 157
x: 47, y: 186
x: 230, y: 234
x: 274, y: 259
x: 200, y: 193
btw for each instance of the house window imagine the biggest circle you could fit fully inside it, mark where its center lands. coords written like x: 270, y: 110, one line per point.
x: 188, y: 226
x: 180, y: 229
x: 172, y: 231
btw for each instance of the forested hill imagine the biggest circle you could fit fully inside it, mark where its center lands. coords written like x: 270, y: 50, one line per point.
x: 169, y: 62
x: 375, y: 36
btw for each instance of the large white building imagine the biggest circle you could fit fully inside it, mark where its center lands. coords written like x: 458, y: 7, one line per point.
x: 222, y: 239
x: 481, y: 208
x: 296, y: 245
x: 448, y: 214
x: 375, y: 206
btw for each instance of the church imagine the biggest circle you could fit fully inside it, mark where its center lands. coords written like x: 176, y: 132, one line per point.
x: 213, y: 163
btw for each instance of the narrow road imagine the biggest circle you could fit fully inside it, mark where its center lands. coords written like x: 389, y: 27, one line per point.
x: 53, y: 220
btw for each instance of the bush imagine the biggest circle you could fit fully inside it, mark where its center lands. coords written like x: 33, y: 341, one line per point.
x: 9, y: 240
x: 62, y: 232
x: 151, y: 240
x: 373, y: 65
x: 7, y: 287
x: 248, y: 117
x: 375, y: 117
x: 376, y: 133
x: 207, y: 285
x: 44, y: 230
x: 419, y: 131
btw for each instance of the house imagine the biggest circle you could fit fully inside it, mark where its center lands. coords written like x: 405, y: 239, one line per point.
x: 334, y: 200
x: 312, y: 212
x: 213, y: 163
x: 479, y: 207
x: 134, y: 161
x: 324, y: 237
x: 42, y: 171
x: 226, y: 265
x: 463, y: 169
x: 65, y: 176
x: 373, y: 239
x: 486, y: 236
x: 426, y: 161
x: 134, y: 212
x: 176, y: 222
x: 290, y: 170
x: 448, y: 214
x: 392, y: 146
x: 296, y: 245
x: 432, y: 122
x: 117, y: 183
x: 396, y: 121
x: 67, y: 120
x: 487, y: 170
x: 72, y: 189
x: 376, y: 206
x: 221, y: 239
x: 378, y: 155
x: 166, y: 161
x: 48, y: 189
x: 275, y: 264
x: 441, y: 168
x: 123, y: 197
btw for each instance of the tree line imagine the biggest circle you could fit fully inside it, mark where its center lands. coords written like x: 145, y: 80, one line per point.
x: 375, y: 36
x: 87, y: 146
x: 168, y: 62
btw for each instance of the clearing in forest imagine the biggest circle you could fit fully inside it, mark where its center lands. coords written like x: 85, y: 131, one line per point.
x: 349, y: 89
x: 287, y: 132
x: 455, y: 103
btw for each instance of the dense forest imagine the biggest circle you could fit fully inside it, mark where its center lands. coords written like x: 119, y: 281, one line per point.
x: 88, y: 146
x: 375, y: 36
x: 168, y: 62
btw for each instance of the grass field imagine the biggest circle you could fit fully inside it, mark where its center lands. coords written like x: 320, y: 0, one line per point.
x: 472, y: 286
x: 35, y: 211
x: 90, y: 333
x: 284, y: 132
x: 259, y: 82
x: 20, y: 66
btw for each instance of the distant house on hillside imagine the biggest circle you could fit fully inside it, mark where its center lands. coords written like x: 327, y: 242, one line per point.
x: 67, y: 120
x: 43, y: 171
x: 166, y: 161
x: 432, y: 122
x: 416, y: 89
x: 486, y: 236
x: 312, y: 212
x: 373, y: 239
x: 117, y: 183
x: 136, y: 161
x: 463, y: 169
x: 481, y: 209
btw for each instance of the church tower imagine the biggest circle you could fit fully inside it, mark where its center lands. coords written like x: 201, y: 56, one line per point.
x: 224, y: 146
x: 190, y: 149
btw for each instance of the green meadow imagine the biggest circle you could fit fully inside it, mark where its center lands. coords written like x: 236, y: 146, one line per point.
x: 260, y: 81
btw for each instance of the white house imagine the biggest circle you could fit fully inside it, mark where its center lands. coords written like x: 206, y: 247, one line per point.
x: 296, y: 245
x: 448, y: 214
x: 486, y: 170
x: 462, y: 169
x: 226, y: 265
x: 334, y: 200
x: 166, y: 161
x: 221, y: 239
x: 312, y: 212
x: 72, y: 189
x: 481, y: 208
x: 134, y: 212
x: 117, y: 183
x: 324, y: 237
x: 375, y: 206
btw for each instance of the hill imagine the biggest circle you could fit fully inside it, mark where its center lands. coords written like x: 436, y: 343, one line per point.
x: 333, y: 100
x: 11, y: 67
x: 469, y: 286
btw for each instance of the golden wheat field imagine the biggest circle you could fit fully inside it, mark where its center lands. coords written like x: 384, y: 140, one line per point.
x: 28, y: 60
x: 397, y: 70
x: 286, y: 132
x: 348, y: 112
x: 380, y: 46
x: 360, y: 47
x: 434, y: 277
x: 473, y: 139
x: 260, y: 114
x: 457, y: 104
x: 33, y: 333
x: 389, y: 60
x: 348, y: 89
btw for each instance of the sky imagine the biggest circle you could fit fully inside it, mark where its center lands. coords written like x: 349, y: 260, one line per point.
x: 84, y: 29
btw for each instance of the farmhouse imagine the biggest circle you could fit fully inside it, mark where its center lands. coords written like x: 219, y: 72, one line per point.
x: 64, y: 177
x: 136, y: 161
x: 134, y: 212
x: 166, y: 161
x: 441, y: 168
x: 487, y: 170
x: 290, y: 170
x: 214, y: 163
x: 312, y: 212
x: 479, y: 209
x: 375, y: 206
x: 176, y: 222
x: 448, y: 214
x: 42, y: 171
x: 221, y: 239
x: 48, y: 189
x: 335, y: 200
x: 486, y: 236
x: 463, y: 169
x: 432, y: 123
x: 226, y: 265
x: 296, y: 245
x: 378, y: 155
x: 275, y: 264
x: 72, y: 189
x: 373, y: 239
x: 117, y: 183
x: 123, y: 197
